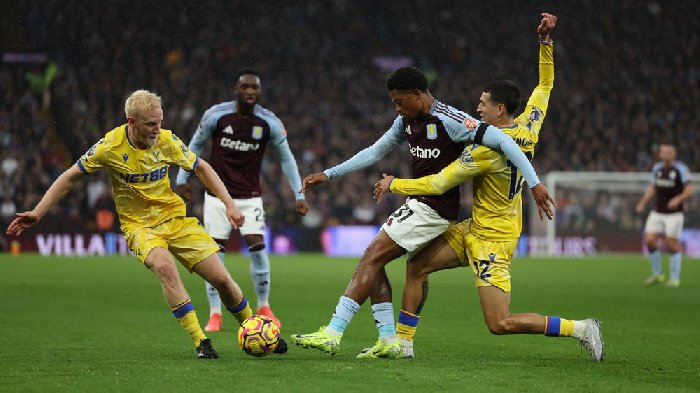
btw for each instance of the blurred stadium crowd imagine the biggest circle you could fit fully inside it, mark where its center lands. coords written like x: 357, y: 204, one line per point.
x: 626, y: 74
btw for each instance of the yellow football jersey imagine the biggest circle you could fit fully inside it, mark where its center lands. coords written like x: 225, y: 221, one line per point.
x: 497, y: 205
x: 140, y: 179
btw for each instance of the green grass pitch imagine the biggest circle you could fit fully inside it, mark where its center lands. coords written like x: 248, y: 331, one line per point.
x: 101, y: 324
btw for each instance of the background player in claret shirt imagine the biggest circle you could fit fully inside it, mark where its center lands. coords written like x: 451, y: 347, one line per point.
x: 487, y: 242
x: 436, y: 134
x: 137, y: 156
x: 240, y: 131
x: 671, y: 186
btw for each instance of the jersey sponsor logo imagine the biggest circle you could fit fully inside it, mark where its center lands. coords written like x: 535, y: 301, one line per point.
x: 524, y: 142
x: 146, y: 177
x: 227, y: 130
x: 471, y: 123
x: 125, y: 157
x: 535, y: 114
x: 257, y: 132
x: 432, y: 131
x: 238, y: 145
x: 420, y: 152
x: 665, y: 183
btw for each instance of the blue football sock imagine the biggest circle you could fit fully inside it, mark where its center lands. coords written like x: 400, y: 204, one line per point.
x: 384, y: 318
x: 213, y: 294
x: 655, y: 259
x: 675, y: 266
x: 260, y: 271
x: 344, y: 311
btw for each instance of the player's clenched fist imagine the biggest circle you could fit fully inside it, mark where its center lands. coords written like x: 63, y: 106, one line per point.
x: 546, y: 25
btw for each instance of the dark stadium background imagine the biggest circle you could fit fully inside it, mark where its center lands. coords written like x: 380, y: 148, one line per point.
x: 627, y: 74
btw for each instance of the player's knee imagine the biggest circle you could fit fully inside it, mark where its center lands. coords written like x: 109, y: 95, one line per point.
x: 164, y: 270
x: 498, y: 326
x: 416, y: 271
x: 221, y: 282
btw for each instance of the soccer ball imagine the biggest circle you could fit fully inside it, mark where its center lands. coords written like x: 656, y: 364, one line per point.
x: 258, y: 335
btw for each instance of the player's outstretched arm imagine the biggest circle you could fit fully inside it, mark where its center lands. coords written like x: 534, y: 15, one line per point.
x: 213, y: 182
x: 58, y: 190
x: 471, y: 163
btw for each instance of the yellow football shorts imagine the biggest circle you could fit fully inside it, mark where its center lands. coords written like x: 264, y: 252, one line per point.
x: 184, y: 237
x: 490, y: 261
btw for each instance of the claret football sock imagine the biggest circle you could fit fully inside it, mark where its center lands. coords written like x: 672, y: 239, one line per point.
x: 184, y: 312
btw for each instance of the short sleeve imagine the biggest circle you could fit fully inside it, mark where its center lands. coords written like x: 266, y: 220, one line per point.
x: 94, y: 158
x: 181, y: 155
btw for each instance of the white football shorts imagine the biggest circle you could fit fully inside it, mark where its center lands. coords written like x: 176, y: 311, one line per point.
x: 414, y: 225
x: 217, y: 224
x: 669, y: 224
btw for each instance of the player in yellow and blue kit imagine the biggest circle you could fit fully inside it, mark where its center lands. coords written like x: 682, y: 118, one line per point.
x: 487, y: 242
x: 137, y: 156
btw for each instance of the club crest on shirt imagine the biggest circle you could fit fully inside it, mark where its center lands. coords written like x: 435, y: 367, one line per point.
x: 125, y: 157
x: 432, y: 131
x: 471, y: 123
x: 257, y: 132
x: 408, y: 129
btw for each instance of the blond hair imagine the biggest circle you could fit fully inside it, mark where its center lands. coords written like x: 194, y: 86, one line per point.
x: 141, y: 101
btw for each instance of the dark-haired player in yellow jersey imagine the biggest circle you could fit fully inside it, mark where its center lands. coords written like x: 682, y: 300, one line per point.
x: 137, y: 156
x: 487, y: 242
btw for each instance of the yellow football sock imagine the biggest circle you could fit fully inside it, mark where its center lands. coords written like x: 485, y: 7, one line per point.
x: 407, y: 325
x: 242, y: 311
x: 184, y: 312
x: 558, y: 327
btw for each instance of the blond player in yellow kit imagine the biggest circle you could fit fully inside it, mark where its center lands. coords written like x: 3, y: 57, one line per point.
x: 137, y: 156
x: 487, y: 242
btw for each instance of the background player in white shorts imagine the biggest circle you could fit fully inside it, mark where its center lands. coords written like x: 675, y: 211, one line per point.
x: 671, y: 186
x: 240, y: 130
